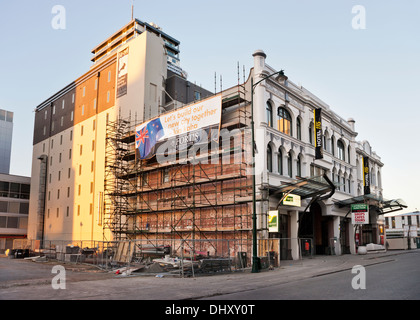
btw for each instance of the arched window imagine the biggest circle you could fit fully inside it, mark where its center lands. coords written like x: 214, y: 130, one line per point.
x: 298, y: 129
x: 289, y: 165
x: 311, y: 132
x: 299, y: 167
x: 280, y: 162
x: 340, y: 150
x: 333, y: 145
x: 269, y: 112
x: 269, y: 159
x: 348, y: 154
x: 284, y: 121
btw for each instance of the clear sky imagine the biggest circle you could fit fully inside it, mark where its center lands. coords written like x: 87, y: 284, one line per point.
x: 370, y: 74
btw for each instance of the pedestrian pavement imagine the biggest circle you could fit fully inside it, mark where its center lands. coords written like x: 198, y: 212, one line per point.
x: 87, y: 284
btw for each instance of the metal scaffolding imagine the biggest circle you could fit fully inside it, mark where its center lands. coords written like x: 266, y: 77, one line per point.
x: 206, y: 198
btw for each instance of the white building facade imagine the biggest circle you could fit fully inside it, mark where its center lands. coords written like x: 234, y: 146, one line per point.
x: 286, y: 162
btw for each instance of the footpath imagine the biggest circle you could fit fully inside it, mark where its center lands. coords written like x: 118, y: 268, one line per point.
x: 27, y: 280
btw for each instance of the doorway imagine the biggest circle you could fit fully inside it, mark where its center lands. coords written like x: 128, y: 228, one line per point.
x: 317, y: 228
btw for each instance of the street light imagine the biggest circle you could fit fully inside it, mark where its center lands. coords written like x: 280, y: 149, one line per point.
x: 255, y: 259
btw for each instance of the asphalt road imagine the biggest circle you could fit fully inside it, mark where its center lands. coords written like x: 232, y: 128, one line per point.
x: 397, y: 278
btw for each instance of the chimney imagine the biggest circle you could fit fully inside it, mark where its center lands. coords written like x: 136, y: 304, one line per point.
x: 351, y: 123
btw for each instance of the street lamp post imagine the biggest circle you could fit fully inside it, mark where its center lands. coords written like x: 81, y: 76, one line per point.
x: 255, y: 259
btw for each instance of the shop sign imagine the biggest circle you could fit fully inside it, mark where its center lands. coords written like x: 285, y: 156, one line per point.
x: 273, y: 221
x: 291, y: 200
x: 360, y: 213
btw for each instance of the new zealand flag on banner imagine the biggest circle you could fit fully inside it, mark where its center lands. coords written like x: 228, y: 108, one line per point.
x: 147, y: 137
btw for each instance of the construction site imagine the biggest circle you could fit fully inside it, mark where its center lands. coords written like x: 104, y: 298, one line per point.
x: 199, y: 207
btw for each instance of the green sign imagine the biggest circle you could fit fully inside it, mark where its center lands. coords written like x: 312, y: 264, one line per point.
x: 273, y: 221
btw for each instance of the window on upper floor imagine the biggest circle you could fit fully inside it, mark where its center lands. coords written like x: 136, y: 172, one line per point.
x: 269, y: 159
x: 299, y: 167
x: 284, y: 121
x: 340, y: 150
x: 269, y: 114
x: 298, y: 129
x: 289, y: 165
x: 280, y: 161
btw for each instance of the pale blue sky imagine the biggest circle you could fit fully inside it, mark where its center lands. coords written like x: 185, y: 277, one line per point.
x: 371, y: 75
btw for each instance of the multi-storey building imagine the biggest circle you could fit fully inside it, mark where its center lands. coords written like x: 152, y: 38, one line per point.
x: 14, y: 209
x: 328, y: 185
x: 14, y: 190
x: 129, y: 79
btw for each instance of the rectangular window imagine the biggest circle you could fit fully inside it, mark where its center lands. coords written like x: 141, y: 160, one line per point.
x: 165, y: 175
x: 83, y: 110
x: 67, y: 211
x: 107, y: 96
x: 80, y: 169
x: 96, y: 84
x: 72, y: 98
x: 84, y: 91
x: 62, y: 104
x: 109, y: 76
x: 78, y: 210
x: 58, y: 194
x: 68, y: 192
x: 71, y: 116
x: 58, y: 211
x: 81, y: 149
x: 197, y: 95
x: 93, y: 145
x: 94, y: 103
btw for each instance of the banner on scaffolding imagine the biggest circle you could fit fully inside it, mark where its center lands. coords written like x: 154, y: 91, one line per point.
x: 193, y: 124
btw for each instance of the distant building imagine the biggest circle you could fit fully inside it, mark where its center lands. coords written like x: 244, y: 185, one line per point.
x: 6, y: 131
x: 14, y: 190
x: 14, y: 209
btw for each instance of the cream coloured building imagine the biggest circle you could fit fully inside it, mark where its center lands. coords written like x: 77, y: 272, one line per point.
x: 127, y: 80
